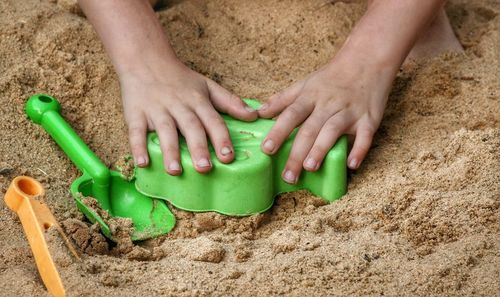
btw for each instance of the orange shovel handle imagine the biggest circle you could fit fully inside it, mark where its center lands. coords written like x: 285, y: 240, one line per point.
x: 35, y: 218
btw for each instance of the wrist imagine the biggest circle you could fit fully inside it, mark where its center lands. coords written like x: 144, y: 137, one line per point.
x: 353, y: 66
x: 148, y: 66
x: 361, y: 53
x: 353, y: 70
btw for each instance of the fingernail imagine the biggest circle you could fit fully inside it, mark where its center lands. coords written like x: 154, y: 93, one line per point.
x: 310, y: 163
x: 289, y: 177
x: 174, y: 166
x: 225, y: 151
x: 263, y: 106
x: 249, y: 109
x: 141, y: 161
x: 202, y: 163
x: 269, y: 145
x: 353, y: 164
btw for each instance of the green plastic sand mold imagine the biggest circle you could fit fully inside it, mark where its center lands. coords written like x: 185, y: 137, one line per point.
x: 150, y: 217
x: 246, y: 186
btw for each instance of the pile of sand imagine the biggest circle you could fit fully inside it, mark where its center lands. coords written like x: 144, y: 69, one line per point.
x: 420, y: 217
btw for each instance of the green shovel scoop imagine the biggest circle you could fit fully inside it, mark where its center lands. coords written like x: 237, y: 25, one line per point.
x: 119, y: 197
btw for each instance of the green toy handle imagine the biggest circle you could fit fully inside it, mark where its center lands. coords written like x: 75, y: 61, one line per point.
x: 45, y: 111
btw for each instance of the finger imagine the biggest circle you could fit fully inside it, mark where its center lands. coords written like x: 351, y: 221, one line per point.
x: 290, y: 118
x: 217, y: 131
x: 169, y: 142
x: 226, y: 102
x: 302, y: 145
x: 280, y: 101
x: 361, y: 146
x: 137, y: 130
x: 327, y: 137
x: 192, y: 129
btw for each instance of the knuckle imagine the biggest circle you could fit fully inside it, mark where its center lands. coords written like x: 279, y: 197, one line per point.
x: 295, y: 109
x: 319, y: 150
x: 137, y: 146
x: 197, y: 143
x: 307, y: 132
x: 168, y: 141
x: 275, y: 97
x: 201, y: 151
x: 278, y: 133
x: 342, y: 104
x: 311, y: 92
x: 200, y: 145
x: 235, y: 99
x: 332, y: 129
x: 361, y: 149
x: 294, y: 161
x: 170, y: 150
x: 197, y: 150
x: 191, y: 120
x: 292, y: 113
x: 217, y: 121
x: 367, y: 130
x: 369, y: 121
x: 234, y: 104
x: 135, y: 131
x: 165, y: 125
x: 198, y: 96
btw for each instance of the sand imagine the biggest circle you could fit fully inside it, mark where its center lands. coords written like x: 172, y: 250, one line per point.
x: 421, y: 216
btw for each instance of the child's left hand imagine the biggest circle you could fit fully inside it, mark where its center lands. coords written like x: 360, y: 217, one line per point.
x: 340, y: 98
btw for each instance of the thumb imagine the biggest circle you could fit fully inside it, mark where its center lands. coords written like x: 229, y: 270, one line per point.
x: 280, y: 101
x: 226, y: 102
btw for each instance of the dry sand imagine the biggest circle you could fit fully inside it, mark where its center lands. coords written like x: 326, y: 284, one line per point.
x: 421, y: 216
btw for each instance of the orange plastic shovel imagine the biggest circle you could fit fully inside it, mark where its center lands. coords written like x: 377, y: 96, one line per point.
x: 37, y: 218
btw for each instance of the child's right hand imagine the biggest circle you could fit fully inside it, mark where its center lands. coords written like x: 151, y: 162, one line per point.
x: 171, y: 96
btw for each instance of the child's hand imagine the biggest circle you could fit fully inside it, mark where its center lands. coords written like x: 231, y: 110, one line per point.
x: 159, y: 92
x: 172, y: 97
x: 335, y: 100
x: 348, y: 96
